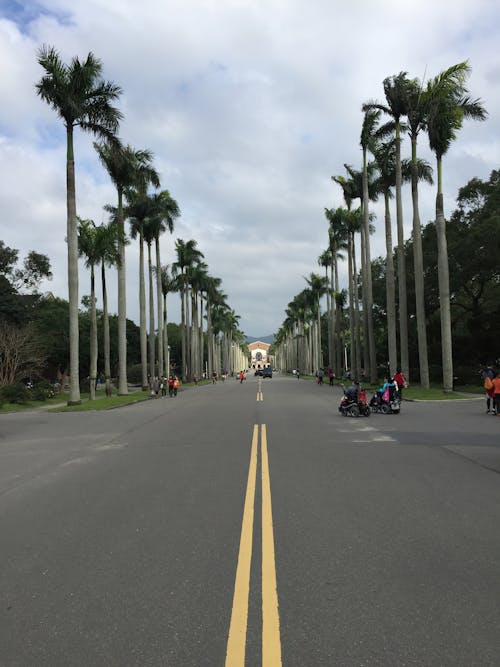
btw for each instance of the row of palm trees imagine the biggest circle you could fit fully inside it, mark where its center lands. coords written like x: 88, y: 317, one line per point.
x: 437, y: 108
x: 82, y: 99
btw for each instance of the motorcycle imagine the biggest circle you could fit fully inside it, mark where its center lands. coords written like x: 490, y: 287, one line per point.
x: 354, y: 407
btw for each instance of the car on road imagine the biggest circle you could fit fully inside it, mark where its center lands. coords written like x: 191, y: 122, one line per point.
x: 258, y: 371
x: 267, y: 372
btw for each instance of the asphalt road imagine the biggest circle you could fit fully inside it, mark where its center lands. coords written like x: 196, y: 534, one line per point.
x: 228, y: 527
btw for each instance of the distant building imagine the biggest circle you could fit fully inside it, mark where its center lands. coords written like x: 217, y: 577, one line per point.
x: 259, y: 354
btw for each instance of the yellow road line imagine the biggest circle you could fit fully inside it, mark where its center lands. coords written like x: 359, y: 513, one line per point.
x: 271, y: 642
x: 260, y: 396
x: 236, y: 643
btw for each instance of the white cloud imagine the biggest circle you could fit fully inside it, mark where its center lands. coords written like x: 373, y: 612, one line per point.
x: 249, y: 108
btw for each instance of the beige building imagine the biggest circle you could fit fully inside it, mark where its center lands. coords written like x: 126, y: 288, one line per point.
x: 259, y: 354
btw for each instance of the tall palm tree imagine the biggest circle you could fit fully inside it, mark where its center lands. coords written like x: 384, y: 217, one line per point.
x: 337, y: 242
x: 318, y: 286
x: 385, y: 156
x: 415, y: 110
x: 395, y: 95
x: 368, y: 143
x: 150, y: 231
x: 187, y: 256
x: 166, y: 211
x: 449, y: 105
x: 126, y: 168
x: 82, y: 99
x: 168, y: 285
x: 138, y: 210
x: 107, y: 241
x: 89, y: 248
x: 326, y: 261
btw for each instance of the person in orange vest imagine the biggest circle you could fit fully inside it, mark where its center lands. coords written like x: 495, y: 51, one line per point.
x: 171, y: 386
x: 242, y: 376
x: 176, y: 385
x: 496, y: 394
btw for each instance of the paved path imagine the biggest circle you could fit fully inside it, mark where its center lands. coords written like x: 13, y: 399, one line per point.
x: 250, y: 524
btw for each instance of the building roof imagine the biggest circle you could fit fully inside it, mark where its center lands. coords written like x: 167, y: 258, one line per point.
x: 258, y: 344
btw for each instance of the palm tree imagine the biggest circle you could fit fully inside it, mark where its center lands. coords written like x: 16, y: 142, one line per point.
x: 82, y: 99
x: 126, y: 168
x: 385, y: 156
x: 166, y: 210
x: 449, y: 103
x: 107, y: 242
x: 89, y: 248
x: 395, y: 94
x: 326, y: 261
x: 138, y: 210
x: 318, y: 286
x: 368, y: 143
x: 150, y: 231
x: 337, y: 242
x: 168, y: 285
x: 415, y: 111
x: 187, y: 256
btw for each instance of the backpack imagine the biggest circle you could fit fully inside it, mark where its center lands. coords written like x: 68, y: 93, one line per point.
x: 488, y: 384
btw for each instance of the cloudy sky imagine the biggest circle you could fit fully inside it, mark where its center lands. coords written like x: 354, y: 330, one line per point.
x: 249, y: 106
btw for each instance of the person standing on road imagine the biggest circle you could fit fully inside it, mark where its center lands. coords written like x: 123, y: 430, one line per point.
x: 176, y: 385
x: 171, y: 386
x: 487, y: 375
x: 496, y: 395
x: 400, y: 380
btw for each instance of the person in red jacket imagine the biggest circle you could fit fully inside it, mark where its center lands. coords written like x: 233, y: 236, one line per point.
x: 496, y: 394
x: 400, y: 380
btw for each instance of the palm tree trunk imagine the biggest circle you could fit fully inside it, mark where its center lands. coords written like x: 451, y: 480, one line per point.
x: 142, y: 313
x: 93, y: 336
x: 390, y: 290
x: 105, y: 327
x: 444, y: 287
x: 367, y: 276
x: 357, y: 368
x: 365, y: 363
x: 72, y: 240
x: 165, y: 337
x: 152, y: 359
x: 419, y: 273
x: 403, y: 308
x: 159, y: 304
x: 122, y: 303
x: 183, y: 329
x: 353, y: 362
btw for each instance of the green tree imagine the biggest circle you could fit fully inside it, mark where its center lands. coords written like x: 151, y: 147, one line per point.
x: 395, y: 95
x: 449, y: 105
x: 81, y: 99
x: 88, y: 247
x: 126, y: 168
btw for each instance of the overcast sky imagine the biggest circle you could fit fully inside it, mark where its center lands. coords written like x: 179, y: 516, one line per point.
x: 249, y: 106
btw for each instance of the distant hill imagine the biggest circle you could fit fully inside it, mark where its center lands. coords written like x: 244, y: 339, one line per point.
x: 263, y: 339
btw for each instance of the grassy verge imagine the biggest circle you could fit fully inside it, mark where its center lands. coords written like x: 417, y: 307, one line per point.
x: 104, y: 402
x: 31, y: 405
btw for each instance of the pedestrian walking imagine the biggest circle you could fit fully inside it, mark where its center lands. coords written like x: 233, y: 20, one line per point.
x: 496, y: 395
x: 171, y: 386
x: 176, y: 386
x: 487, y: 376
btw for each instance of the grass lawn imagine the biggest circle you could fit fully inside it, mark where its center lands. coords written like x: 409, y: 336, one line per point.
x: 104, y: 402
x: 31, y: 405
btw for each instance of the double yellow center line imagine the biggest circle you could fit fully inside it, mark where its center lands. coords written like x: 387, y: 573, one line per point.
x: 271, y: 642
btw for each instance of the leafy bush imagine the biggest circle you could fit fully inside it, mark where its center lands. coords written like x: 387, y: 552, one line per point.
x: 44, y: 390
x: 15, y: 393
